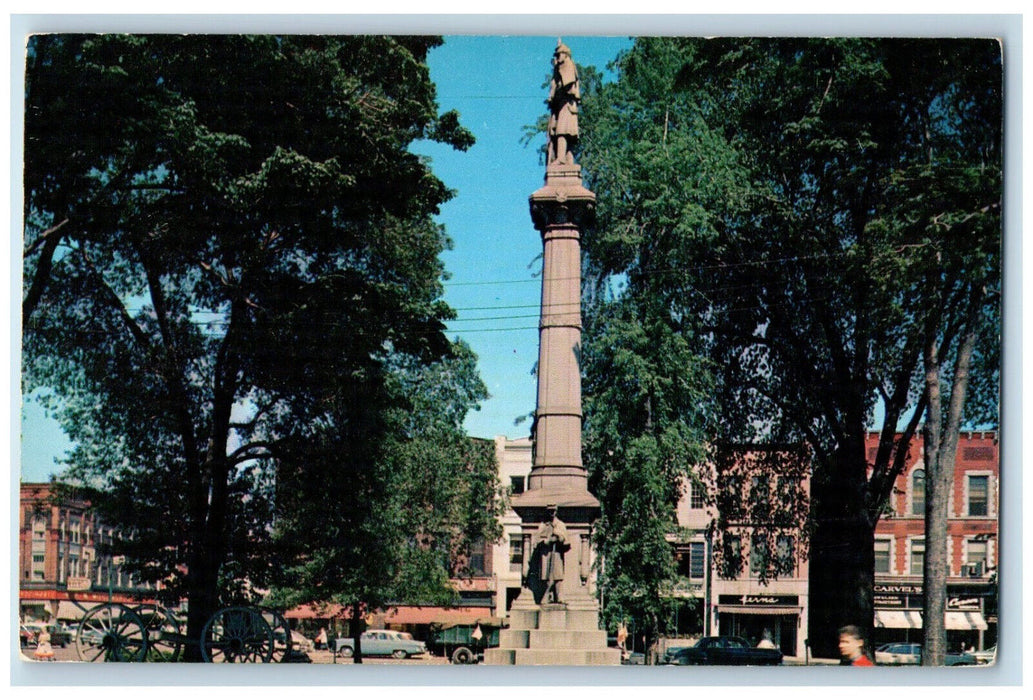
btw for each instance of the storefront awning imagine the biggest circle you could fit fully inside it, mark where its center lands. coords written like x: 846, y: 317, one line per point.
x: 414, y: 615
x: 898, y: 619
x: 309, y: 612
x: 892, y: 619
x: 70, y: 611
x: 965, y: 621
x: 760, y: 609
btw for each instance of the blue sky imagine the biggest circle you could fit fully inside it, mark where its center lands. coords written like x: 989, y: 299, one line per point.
x: 496, y: 84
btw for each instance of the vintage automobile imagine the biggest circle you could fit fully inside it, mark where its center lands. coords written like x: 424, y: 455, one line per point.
x: 400, y: 645
x: 60, y: 635
x: 910, y: 653
x: 986, y: 656
x: 725, y: 651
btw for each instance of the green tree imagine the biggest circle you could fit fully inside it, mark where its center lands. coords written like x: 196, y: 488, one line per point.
x: 377, y: 506
x: 229, y: 249
x: 804, y: 200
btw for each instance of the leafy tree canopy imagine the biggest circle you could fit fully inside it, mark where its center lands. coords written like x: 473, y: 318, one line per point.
x: 805, y: 214
x: 232, y: 274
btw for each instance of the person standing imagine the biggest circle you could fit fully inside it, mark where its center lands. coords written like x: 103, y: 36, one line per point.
x: 44, y: 652
x: 851, y: 647
x: 765, y: 641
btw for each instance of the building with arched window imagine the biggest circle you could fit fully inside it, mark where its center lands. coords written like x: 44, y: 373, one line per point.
x: 972, y: 547
x: 63, y: 568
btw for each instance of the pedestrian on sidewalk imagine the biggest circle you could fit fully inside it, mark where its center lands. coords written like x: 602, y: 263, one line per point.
x: 851, y: 647
x: 44, y: 652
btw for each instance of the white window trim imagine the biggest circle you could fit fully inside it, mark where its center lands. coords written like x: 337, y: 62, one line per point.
x: 892, y: 552
x: 991, y: 510
x: 909, y: 509
x: 907, y: 563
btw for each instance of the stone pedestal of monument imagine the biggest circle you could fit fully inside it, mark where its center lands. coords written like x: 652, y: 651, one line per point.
x: 553, y: 635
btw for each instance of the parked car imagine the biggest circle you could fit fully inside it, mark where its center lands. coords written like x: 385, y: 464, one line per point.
x: 986, y: 656
x: 299, y: 642
x: 60, y: 635
x: 910, y: 654
x: 898, y: 654
x: 400, y: 645
x: 633, y: 658
x: 668, y: 656
x: 725, y: 651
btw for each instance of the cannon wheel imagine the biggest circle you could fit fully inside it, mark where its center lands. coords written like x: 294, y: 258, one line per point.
x: 164, y: 641
x: 281, y: 629
x: 237, y: 635
x: 111, y: 632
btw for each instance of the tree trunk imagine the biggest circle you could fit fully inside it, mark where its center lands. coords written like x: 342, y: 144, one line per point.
x: 357, y: 628
x: 940, y: 448
x: 842, y: 561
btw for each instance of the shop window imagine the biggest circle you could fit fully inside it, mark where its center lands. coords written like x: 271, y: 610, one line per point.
x: 882, y: 556
x: 978, y: 495
x: 918, y: 492
x: 917, y: 557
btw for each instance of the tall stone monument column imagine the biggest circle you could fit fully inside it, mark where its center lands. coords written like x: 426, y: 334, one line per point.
x: 555, y: 619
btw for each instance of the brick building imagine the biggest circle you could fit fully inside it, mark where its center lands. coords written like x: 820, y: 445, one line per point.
x: 62, y: 568
x: 972, y: 547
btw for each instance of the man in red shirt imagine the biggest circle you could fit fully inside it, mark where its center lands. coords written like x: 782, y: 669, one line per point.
x: 851, y: 647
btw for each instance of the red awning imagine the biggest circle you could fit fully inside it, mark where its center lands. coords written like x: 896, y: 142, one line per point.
x: 415, y: 615
x: 311, y: 612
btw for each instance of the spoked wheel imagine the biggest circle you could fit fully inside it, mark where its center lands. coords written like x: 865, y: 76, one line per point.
x: 282, y: 642
x: 164, y: 638
x: 237, y: 635
x: 111, y: 632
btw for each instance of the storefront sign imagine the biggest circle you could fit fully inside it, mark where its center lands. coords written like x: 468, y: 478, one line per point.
x: 968, y: 604
x: 897, y: 588
x: 759, y: 600
x: 79, y: 583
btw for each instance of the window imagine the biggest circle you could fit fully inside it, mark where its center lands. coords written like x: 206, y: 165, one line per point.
x: 476, y: 562
x: 975, y: 556
x: 38, y: 567
x: 516, y: 484
x: 785, y: 561
x: 516, y: 552
x: 731, y: 553
x: 696, y: 497
x: 697, y: 557
x: 978, y: 495
x: 917, y: 557
x: 760, y: 498
x: 882, y: 556
x: 39, y: 528
x: 758, y: 554
x: 918, y: 492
